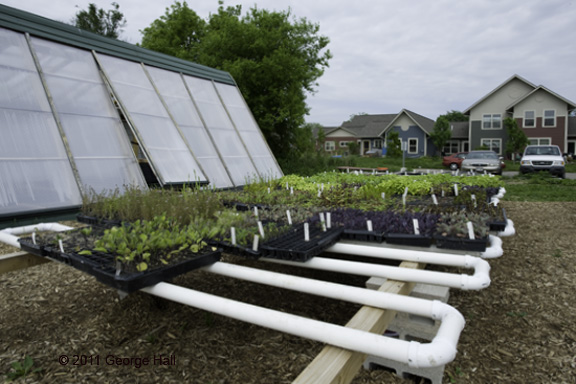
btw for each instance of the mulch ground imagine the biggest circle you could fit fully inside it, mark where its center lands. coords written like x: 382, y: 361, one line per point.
x: 518, y: 330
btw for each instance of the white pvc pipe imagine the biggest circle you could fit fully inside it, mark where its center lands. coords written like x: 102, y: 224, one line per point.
x: 440, y: 351
x: 495, y: 249
x: 9, y: 235
x: 480, y: 279
x: 509, y: 230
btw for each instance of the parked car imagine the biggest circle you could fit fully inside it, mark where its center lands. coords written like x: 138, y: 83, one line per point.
x: 483, y: 161
x: 454, y: 160
x: 546, y: 158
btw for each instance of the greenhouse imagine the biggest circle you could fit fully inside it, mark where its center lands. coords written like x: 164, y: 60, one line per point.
x: 81, y: 113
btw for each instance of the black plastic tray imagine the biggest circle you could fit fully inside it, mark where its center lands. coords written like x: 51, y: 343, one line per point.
x: 363, y: 235
x: 499, y: 225
x: 462, y: 244
x: 291, y: 245
x: 408, y: 239
x: 103, y: 266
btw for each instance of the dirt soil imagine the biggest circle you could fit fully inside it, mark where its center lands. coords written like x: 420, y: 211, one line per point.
x: 518, y: 330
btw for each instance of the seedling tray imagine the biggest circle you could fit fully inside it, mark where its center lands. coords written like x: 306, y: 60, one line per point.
x: 462, y: 244
x: 237, y: 249
x: 292, y: 246
x: 363, y: 235
x: 103, y: 266
x: 408, y: 239
x: 98, y: 221
x: 499, y: 225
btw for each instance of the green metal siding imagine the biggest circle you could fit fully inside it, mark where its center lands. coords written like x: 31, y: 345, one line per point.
x: 35, y: 25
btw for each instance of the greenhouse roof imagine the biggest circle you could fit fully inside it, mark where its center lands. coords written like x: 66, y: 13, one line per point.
x: 83, y: 114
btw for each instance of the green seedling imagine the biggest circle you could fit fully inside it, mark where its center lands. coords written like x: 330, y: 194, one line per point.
x: 22, y: 369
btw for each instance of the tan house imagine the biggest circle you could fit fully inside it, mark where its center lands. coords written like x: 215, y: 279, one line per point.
x: 542, y: 114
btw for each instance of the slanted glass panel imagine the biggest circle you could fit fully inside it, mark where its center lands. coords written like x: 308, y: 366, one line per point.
x: 249, y: 131
x: 35, y: 173
x: 168, y: 153
x: 173, y: 90
x: 96, y: 136
x: 226, y: 138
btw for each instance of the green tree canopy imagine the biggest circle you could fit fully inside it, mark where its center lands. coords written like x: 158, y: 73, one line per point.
x: 517, y: 139
x: 106, y: 23
x: 441, y: 132
x: 394, y: 145
x: 274, y: 58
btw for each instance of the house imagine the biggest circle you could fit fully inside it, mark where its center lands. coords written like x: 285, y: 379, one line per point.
x: 542, y: 114
x: 371, y: 133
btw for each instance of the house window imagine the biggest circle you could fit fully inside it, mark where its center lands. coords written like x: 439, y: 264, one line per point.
x: 343, y: 144
x: 329, y: 146
x: 412, y: 146
x: 493, y: 144
x: 492, y: 121
x: 529, y: 119
x: 549, y: 118
x: 377, y: 144
x: 452, y: 146
x: 539, y: 141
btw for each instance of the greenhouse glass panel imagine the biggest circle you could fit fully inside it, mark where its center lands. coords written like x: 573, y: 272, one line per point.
x: 95, y: 134
x: 35, y: 172
x: 166, y: 149
x: 225, y: 137
x: 249, y: 131
x: 177, y: 99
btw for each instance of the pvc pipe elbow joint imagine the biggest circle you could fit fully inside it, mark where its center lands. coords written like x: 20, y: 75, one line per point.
x: 495, y: 248
x: 509, y: 230
x: 438, y: 352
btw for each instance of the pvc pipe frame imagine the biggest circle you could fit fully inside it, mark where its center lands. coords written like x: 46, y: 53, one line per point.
x: 8, y: 235
x: 479, y: 280
x: 440, y: 351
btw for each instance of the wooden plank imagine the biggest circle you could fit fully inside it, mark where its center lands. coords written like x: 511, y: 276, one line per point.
x: 339, y: 366
x: 19, y: 260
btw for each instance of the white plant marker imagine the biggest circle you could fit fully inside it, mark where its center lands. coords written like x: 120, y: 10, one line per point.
x: 261, y: 228
x: 34, y: 237
x: 455, y: 189
x: 61, y: 245
x: 369, y: 225
x: 383, y: 195
x: 256, y: 212
x: 470, y: 230
x: 416, y: 226
x: 268, y: 190
x: 322, y: 221
x: 473, y: 197
x: 255, y: 243
x: 434, y: 199
x: 319, y: 192
x: 306, y: 232
x: 289, y: 217
x: 233, y: 235
x: 328, y: 219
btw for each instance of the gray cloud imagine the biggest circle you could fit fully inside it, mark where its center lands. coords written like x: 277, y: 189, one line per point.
x: 422, y: 55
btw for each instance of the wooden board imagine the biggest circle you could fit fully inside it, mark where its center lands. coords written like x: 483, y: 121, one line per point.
x: 19, y: 260
x: 337, y: 365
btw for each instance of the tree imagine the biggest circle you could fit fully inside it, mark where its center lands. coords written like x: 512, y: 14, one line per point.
x: 274, y: 58
x: 178, y: 33
x: 106, y: 23
x: 517, y: 139
x: 441, y: 132
x: 394, y: 145
x: 455, y: 116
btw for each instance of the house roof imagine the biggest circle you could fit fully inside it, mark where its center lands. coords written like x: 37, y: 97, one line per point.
x: 467, y: 111
x: 42, y: 27
x: 426, y: 124
x: 460, y: 129
x: 571, y: 105
x: 368, y: 125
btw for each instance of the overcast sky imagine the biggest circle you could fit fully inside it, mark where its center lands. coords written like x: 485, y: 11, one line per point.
x: 428, y: 56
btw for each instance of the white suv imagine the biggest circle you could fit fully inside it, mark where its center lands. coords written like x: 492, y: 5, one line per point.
x: 546, y: 158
